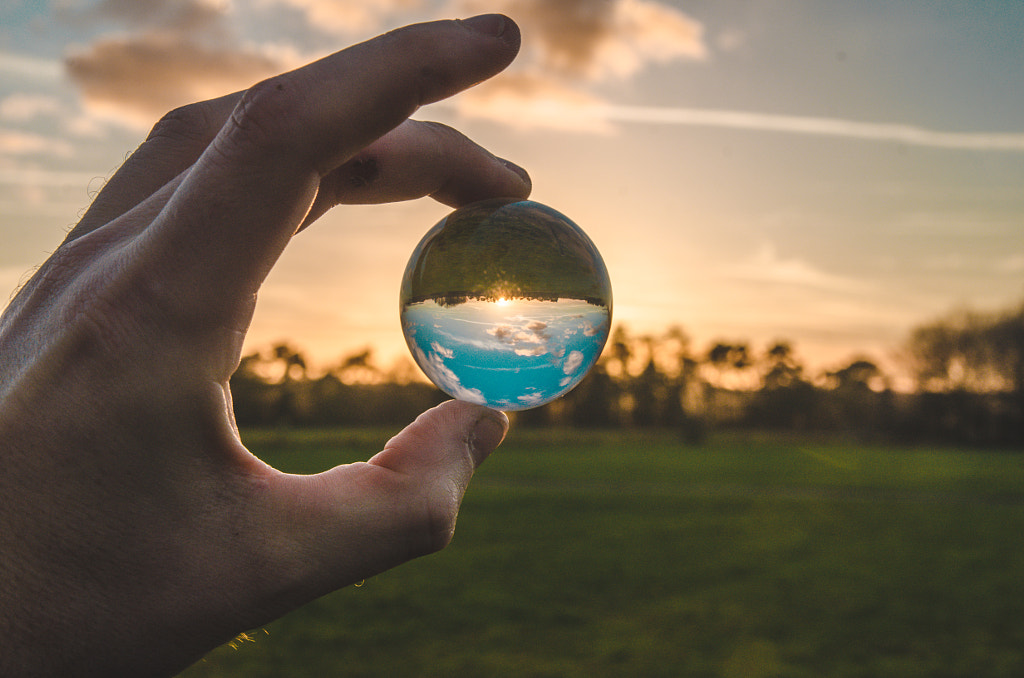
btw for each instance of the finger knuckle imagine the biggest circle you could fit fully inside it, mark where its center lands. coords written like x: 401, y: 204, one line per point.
x: 190, y: 122
x: 265, y: 114
x: 444, y: 136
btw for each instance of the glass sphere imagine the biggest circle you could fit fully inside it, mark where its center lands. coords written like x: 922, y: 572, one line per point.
x: 506, y: 303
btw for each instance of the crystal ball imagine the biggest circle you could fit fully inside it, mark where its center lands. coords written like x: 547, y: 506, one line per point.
x: 506, y: 303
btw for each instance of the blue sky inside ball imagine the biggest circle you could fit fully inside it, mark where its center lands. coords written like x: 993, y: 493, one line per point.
x: 509, y: 354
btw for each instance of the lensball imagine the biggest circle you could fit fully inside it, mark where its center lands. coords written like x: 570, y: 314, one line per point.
x: 506, y: 303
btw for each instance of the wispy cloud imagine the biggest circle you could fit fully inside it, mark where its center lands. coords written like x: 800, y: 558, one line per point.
x: 1012, y: 264
x: 576, y: 43
x: 792, y: 124
x: 532, y: 100
x: 17, y: 177
x: 563, y: 109
x: 766, y: 266
x: 28, y: 67
x: 21, y: 143
x: 350, y: 16
x: 21, y: 107
x: 176, y: 52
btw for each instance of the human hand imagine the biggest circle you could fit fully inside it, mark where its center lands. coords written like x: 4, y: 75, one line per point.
x: 137, y: 531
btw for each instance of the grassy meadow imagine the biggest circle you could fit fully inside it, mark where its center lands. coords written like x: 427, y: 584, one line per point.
x: 589, y: 554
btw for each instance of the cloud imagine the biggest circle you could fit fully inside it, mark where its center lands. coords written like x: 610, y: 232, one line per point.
x: 139, y: 78
x: 29, y: 68
x: 19, y: 176
x: 766, y: 266
x: 531, y: 101
x: 730, y: 40
x: 597, y: 40
x: 185, y: 16
x: 570, y: 45
x: 21, y: 143
x: 548, y: 104
x: 572, y: 362
x: 173, y: 52
x: 570, y: 367
x: 20, y: 107
x: 792, y: 124
x: 1012, y: 264
x: 445, y: 378
x: 503, y: 333
x: 530, y: 399
x: 348, y: 16
x: 531, y: 337
x: 442, y: 351
x: 526, y: 338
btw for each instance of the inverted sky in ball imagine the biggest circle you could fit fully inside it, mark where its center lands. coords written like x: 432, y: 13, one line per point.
x: 506, y: 303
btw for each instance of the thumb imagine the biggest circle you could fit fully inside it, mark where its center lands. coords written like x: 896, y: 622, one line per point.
x: 357, y: 520
x: 454, y: 436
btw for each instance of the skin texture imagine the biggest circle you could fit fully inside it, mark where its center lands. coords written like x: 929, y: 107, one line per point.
x: 137, y: 531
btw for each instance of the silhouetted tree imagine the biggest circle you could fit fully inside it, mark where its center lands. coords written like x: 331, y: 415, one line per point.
x: 971, y: 351
x: 618, y: 352
x: 786, y: 400
x: 781, y: 369
x: 969, y: 368
x: 855, y: 402
x: 255, y: 400
x: 291, y: 361
x: 359, y: 368
x: 728, y: 378
x: 593, y: 402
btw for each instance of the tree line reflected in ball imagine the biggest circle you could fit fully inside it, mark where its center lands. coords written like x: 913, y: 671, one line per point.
x: 506, y: 303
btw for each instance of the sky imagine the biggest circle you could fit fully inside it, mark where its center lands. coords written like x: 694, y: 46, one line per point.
x: 831, y: 173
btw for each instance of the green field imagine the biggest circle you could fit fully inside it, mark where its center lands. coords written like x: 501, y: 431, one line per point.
x: 632, y: 554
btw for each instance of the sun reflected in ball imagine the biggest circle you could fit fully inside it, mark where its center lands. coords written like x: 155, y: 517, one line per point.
x: 506, y: 303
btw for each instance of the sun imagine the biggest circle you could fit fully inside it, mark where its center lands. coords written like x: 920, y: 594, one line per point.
x: 502, y: 301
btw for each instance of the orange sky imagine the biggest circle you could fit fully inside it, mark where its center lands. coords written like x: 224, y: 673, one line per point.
x: 831, y: 173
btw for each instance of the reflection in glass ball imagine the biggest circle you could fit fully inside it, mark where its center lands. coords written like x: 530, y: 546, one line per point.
x: 506, y: 303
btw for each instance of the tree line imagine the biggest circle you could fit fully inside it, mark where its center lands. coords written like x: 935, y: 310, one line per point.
x: 967, y: 369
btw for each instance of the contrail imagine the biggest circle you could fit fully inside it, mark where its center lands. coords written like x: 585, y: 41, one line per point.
x: 834, y: 127
x: 553, y: 113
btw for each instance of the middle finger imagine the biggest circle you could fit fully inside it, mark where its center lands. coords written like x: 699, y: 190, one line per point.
x: 418, y: 159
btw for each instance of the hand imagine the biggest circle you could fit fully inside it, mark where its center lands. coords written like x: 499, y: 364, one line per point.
x: 136, y: 531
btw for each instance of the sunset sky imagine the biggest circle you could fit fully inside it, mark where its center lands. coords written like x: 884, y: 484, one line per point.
x: 832, y: 173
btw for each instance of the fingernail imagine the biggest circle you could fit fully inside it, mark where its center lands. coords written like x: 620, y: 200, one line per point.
x: 488, y: 432
x: 488, y: 24
x: 517, y: 170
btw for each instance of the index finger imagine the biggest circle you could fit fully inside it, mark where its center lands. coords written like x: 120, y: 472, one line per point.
x: 221, y: 232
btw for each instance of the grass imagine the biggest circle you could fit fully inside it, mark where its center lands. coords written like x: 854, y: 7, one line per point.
x: 629, y: 554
